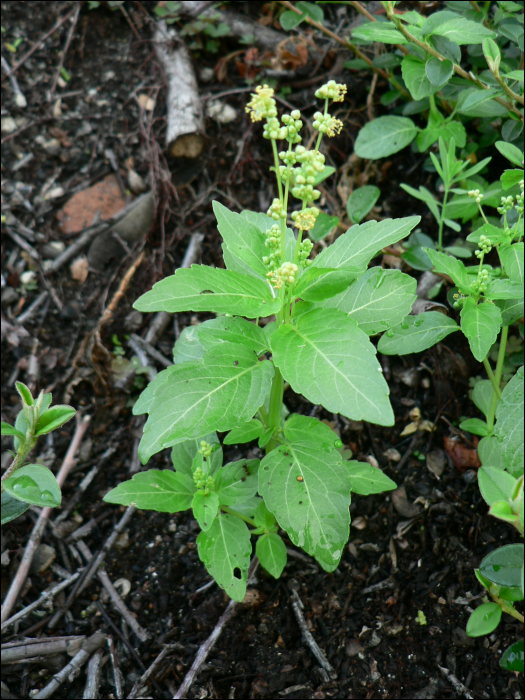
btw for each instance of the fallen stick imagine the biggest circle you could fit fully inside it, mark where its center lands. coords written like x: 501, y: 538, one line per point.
x: 208, y: 645
x: 28, y: 648
x: 40, y: 525
x: 139, y: 686
x: 121, y: 606
x: 47, y: 594
x: 93, y: 674
x: 297, y: 605
x: 458, y: 685
x: 90, y: 645
x: 117, y: 675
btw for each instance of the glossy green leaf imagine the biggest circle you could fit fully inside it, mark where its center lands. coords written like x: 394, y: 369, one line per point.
x: 225, y: 550
x: 318, y: 284
x: 25, y: 394
x: 53, y: 418
x: 242, y: 238
x: 34, y: 484
x: 263, y: 518
x: 10, y: 430
x: 219, y: 392
x: 324, y: 225
x: 236, y: 482
x: 361, y: 243
x: 509, y: 424
x: 203, y: 288
x: 481, y: 324
x: 329, y: 360
x: 455, y: 28
x: 307, y: 489
x: 325, y: 174
x: 251, y: 430
x: 473, y: 102
x: 495, y: 484
x: 205, y: 508
x: 504, y: 289
x: 290, y: 20
x: 305, y: 429
x: 415, y: 77
x: 271, y: 551
x: 482, y: 396
x: 416, y: 333
x: 12, y: 507
x: 510, y: 178
x: 361, y: 202
x: 503, y: 566
x: 512, y: 658
x: 489, y: 450
x: 163, y: 491
x: 188, y: 347
x: 475, y: 426
x: 511, y: 152
x: 513, y: 262
x: 379, y: 300
x: 383, y: 32
x: 503, y: 511
x: 384, y: 136
x: 450, y: 266
x: 416, y: 258
x: 484, y: 620
x: 439, y: 72
x: 366, y: 479
x: 184, y: 452
x: 233, y: 330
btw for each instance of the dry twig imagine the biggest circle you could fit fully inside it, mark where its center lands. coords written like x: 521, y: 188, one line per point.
x: 297, y: 606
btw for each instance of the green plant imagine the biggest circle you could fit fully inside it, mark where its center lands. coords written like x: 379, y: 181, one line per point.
x: 31, y: 484
x: 490, y: 299
x: 428, y: 51
x: 224, y: 380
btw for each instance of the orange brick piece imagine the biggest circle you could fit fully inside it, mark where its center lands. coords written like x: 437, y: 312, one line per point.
x: 104, y: 199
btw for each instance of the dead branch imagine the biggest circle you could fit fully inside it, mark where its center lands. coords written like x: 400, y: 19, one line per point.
x: 121, y: 606
x: 29, y: 648
x: 297, y: 605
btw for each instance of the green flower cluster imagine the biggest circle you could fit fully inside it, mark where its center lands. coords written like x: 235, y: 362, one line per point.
x: 273, y: 243
x: 485, y: 246
x: 311, y: 164
x: 305, y: 249
x: 203, y: 481
x: 481, y: 284
x: 205, y: 449
x: 475, y: 194
x: 507, y: 203
x: 283, y: 275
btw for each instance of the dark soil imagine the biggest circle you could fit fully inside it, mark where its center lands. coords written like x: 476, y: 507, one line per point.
x: 409, y: 551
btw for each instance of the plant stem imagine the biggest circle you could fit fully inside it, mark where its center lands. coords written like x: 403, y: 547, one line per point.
x: 227, y: 509
x: 507, y: 608
x: 275, y: 408
x: 21, y: 455
x: 442, y: 220
x: 492, y: 378
x: 499, y: 372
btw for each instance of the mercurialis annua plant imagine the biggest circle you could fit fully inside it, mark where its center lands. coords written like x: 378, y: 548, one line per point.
x: 284, y: 315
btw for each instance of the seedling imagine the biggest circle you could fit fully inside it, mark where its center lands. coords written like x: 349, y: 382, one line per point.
x: 229, y: 372
x: 31, y: 484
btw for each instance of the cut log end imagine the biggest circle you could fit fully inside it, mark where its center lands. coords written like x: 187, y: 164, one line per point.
x: 187, y: 146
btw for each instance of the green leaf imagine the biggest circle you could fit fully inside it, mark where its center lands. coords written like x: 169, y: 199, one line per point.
x: 290, y: 20
x: 329, y: 360
x: 271, y: 551
x: 495, y: 484
x: 415, y: 77
x: 416, y: 333
x: 219, y: 392
x: 242, y: 238
x: 324, y: 225
x: 512, y: 261
x: 509, y: 425
x: 205, y: 508
x: 439, y: 72
x: 245, y: 433
x: 53, y: 418
x: 303, y: 430
x: 474, y: 102
x: 12, y: 507
x: 225, y: 550
x: 512, y: 659
x: 163, y: 491
x: 417, y: 258
x: 481, y: 324
x: 482, y: 396
x: 503, y: 511
x: 456, y: 29
x: 188, y: 347
x: 324, y: 175
x: 203, y: 288
x: 361, y: 202
x: 511, y: 178
x: 307, y: 489
x: 489, y: 451
x: 311, y: 9
x: 362, y: 242
x: 383, y: 32
x: 384, y: 136
x: 233, y: 330
x: 511, y: 153
x: 495, y: 234
x: 450, y: 266
x: 511, y: 310
x: 318, y: 283
x: 366, y: 479
x: 484, y: 620
x: 379, y: 300
x: 184, y: 452
x: 25, y: 394
x: 34, y: 484
x: 236, y: 482
x: 476, y: 426
x: 264, y: 519
x: 9, y: 430
x: 446, y: 48
x: 503, y: 566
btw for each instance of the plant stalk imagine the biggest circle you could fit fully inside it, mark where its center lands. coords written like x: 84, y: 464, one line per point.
x: 499, y: 372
